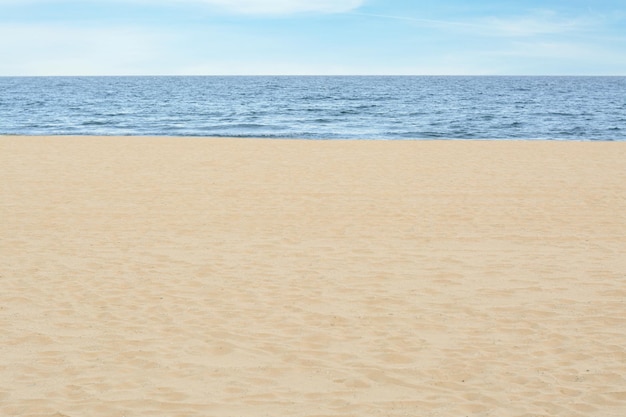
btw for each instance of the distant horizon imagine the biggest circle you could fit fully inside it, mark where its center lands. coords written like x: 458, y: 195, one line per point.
x: 302, y: 37
x: 319, y: 75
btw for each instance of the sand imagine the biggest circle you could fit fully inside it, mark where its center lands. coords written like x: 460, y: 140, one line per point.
x: 234, y: 277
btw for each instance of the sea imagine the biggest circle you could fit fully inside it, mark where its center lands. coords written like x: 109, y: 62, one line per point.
x: 319, y: 107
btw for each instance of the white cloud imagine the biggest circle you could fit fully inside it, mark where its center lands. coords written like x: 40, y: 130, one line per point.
x: 62, y: 50
x: 284, y: 6
x: 265, y: 7
x: 542, y: 22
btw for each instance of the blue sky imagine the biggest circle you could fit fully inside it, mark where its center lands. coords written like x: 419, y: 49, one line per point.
x: 240, y: 37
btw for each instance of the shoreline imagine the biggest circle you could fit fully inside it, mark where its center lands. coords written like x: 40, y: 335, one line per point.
x: 211, y: 276
x: 316, y: 139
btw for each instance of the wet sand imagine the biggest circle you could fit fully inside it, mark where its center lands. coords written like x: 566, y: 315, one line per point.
x: 238, y: 277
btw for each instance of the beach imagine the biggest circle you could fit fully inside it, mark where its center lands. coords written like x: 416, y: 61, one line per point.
x: 154, y: 276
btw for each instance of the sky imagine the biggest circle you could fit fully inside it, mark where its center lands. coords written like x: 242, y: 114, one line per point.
x: 312, y: 37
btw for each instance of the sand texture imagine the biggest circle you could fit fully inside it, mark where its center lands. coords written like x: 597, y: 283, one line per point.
x: 149, y: 277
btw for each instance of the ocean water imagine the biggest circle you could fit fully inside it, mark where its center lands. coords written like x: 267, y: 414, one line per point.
x: 420, y: 107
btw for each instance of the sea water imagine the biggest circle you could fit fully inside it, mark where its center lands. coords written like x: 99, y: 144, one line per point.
x: 318, y: 107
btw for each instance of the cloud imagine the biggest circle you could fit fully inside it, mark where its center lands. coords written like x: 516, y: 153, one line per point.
x: 540, y: 22
x: 263, y: 7
x: 284, y: 6
x: 63, y: 50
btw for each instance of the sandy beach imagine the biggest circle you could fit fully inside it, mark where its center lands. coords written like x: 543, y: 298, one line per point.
x: 148, y: 277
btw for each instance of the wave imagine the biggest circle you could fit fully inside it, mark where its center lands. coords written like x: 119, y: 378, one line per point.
x: 318, y: 107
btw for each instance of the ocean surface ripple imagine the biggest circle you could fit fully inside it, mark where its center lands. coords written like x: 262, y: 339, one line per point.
x: 318, y: 107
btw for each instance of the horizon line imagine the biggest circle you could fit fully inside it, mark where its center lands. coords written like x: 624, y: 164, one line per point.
x: 309, y: 75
